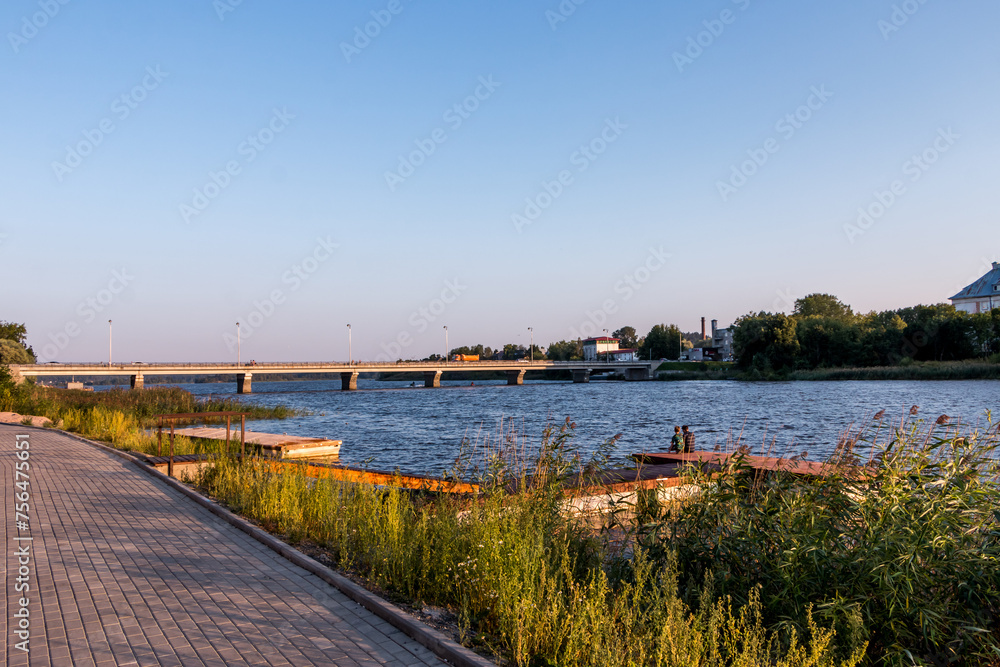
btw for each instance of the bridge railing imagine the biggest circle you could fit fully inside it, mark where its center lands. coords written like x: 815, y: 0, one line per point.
x: 246, y: 365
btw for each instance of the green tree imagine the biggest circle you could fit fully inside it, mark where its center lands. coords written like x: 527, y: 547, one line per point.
x: 822, y: 305
x: 662, y: 342
x: 986, y: 328
x: 19, y: 334
x: 566, y: 350
x: 826, y: 342
x: 765, y: 341
x: 13, y: 331
x: 537, y: 353
x: 627, y: 337
x: 14, y: 353
x: 513, y: 352
x: 881, y: 340
x: 938, y: 333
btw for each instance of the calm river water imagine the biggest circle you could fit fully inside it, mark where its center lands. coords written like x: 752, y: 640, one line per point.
x: 421, y: 430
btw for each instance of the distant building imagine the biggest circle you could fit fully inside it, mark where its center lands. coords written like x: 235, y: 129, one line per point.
x: 694, y: 354
x: 593, y: 348
x: 981, y: 296
x: 624, y: 354
x: 722, y: 340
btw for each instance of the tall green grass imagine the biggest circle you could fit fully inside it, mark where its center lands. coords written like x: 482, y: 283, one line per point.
x: 142, y: 405
x: 124, y: 417
x: 899, y: 546
x: 525, y: 581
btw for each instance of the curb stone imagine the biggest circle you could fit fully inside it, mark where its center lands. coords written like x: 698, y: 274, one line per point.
x: 443, y: 647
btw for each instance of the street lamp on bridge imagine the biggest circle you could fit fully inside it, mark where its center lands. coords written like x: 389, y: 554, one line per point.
x: 109, y: 343
x: 446, y: 343
x: 239, y: 351
x: 531, y: 345
x: 350, y: 351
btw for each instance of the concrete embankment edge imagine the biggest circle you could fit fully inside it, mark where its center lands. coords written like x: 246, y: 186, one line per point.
x: 442, y: 646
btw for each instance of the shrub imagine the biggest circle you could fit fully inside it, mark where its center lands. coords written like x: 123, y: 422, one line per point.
x: 902, y: 550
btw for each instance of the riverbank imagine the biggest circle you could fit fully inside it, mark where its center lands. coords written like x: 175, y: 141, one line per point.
x: 922, y: 370
x: 522, y: 578
x: 918, y: 370
x: 716, y: 582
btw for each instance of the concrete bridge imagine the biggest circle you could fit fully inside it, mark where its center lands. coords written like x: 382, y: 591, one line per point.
x: 432, y: 370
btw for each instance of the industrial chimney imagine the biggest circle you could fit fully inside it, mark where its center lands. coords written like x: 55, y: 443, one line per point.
x: 715, y: 325
x: 703, y: 328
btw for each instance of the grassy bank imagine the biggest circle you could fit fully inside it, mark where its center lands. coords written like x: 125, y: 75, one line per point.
x: 925, y: 370
x: 524, y: 581
x: 892, y: 560
x: 919, y: 370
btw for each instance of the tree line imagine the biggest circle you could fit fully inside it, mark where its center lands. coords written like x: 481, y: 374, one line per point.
x: 823, y: 332
x: 663, y: 341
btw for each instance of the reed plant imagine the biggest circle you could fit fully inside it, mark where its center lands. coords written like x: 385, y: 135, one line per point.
x: 913, y: 370
x: 525, y: 581
x: 125, y: 418
x: 897, y: 545
x: 142, y: 405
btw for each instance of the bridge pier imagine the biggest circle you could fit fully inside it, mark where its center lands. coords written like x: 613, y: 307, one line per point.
x: 349, y: 381
x: 515, y: 377
x: 432, y: 378
x: 244, y: 383
x: 581, y: 376
x: 637, y: 374
x: 137, y: 381
x: 17, y: 377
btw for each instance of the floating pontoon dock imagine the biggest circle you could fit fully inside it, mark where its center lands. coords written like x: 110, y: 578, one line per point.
x: 278, y: 446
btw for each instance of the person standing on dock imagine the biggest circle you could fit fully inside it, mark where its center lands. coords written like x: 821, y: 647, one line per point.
x: 677, y: 442
x: 688, y: 440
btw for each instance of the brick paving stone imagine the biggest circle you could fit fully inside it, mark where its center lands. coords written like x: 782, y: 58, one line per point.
x: 127, y: 571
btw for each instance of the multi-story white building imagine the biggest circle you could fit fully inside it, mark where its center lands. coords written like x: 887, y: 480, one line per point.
x: 595, y: 347
x: 982, y: 295
x: 722, y: 340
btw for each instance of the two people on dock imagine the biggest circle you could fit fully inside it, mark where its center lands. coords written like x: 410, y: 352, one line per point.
x: 683, y: 440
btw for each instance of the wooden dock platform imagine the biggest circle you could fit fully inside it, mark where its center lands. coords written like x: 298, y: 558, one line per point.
x: 279, y: 446
x: 793, y: 466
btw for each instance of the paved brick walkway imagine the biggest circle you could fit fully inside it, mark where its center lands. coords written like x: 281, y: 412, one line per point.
x: 126, y: 571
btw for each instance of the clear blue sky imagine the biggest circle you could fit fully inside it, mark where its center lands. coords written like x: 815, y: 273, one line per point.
x: 665, y: 123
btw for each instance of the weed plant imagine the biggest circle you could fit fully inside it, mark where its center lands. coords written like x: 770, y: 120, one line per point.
x: 525, y: 581
x: 898, y: 548
x: 141, y: 405
x: 124, y: 417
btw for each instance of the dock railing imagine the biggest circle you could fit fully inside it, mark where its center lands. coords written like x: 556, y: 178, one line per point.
x: 197, y: 416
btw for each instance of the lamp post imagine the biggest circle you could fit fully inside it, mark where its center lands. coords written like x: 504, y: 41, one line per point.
x: 350, y: 350
x: 446, y: 343
x: 239, y: 350
x: 680, y: 346
x: 531, y: 345
x: 607, y: 355
x: 109, y: 343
